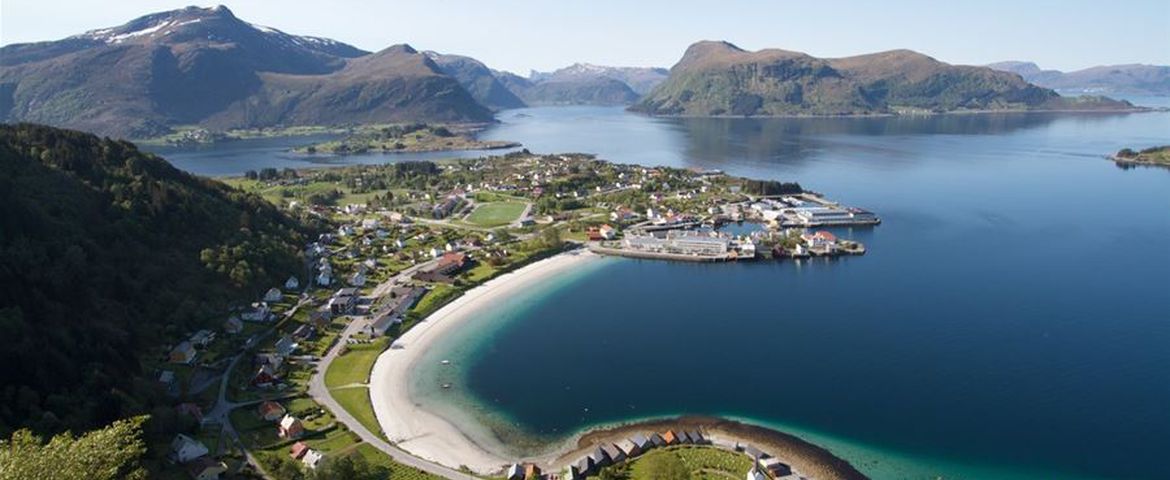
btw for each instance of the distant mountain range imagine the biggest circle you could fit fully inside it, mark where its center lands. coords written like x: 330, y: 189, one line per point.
x: 718, y: 78
x: 1131, y: 79
x: 205, y: 66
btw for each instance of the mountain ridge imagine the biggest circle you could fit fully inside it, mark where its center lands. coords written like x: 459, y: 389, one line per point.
x: 206, y: 67
x: 1133, y: 78
x: 715, y: 78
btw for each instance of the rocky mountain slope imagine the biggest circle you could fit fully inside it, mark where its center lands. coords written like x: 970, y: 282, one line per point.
x: 205, y: 66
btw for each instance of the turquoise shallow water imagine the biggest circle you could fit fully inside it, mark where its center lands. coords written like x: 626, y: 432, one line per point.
x: 1010, y: 320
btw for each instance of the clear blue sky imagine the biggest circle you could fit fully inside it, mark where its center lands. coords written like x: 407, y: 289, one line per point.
x: 523, y: 35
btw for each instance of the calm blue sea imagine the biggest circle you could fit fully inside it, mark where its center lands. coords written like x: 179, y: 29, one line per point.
x: 1011, y: 319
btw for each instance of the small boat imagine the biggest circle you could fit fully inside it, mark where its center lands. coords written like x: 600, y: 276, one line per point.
x: 446, y: 385
x: 445, y: 362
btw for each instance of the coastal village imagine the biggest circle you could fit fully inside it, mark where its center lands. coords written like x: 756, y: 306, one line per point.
x: 282, y: 385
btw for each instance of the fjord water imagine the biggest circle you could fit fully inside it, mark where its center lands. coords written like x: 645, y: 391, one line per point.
x: 1011, y: 319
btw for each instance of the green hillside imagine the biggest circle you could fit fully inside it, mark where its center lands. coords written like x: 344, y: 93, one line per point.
x: 106, y: 255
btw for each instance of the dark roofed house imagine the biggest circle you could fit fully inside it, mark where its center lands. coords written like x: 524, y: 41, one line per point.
x: 696, y: 437
x: 304, y: 332
x: 584, y: 465
x: 657, y: 440
x: 616, y: 455
x: 642, y: 442
x: 630, y: 448
x: 206, y: 468
x: 683, y: 437
x: 600, y: 458
x: 775, y: 467
x: 754, y: 452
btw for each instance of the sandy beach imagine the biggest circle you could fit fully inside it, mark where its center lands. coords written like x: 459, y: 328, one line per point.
x: 422, y: 432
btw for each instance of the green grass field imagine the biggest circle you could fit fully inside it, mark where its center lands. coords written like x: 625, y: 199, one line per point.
x: 355, y: 365
x: 703, y: 463
x: 496, y: 213
x: 356, y: 401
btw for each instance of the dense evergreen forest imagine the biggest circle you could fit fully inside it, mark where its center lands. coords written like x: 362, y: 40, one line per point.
x: 106, y: 255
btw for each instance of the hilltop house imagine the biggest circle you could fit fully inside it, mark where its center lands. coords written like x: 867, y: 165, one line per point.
x: 270, y: 411
x: 191, y: 410
x: 321, y: 317
x: 290, y: 427
x: 183, y: 353
x: 292, y: 283
x: 202, y: 338
x: 285, y: 346
x: 259, y: 313
x: 184, y: 448
x: 206, y: 468
x: 265, y: 377
x: 233, y: 325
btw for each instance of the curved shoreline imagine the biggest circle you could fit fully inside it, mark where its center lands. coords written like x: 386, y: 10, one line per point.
x: 423, y: 432
x: 431, y: 436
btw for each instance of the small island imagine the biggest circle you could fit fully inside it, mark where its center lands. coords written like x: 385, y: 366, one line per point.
x: 1154, y: 156
x: 415, y: 137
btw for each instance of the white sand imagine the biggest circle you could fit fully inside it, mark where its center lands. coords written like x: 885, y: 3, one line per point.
x: 422, y: 432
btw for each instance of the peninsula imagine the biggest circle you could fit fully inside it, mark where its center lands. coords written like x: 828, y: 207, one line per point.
x: 414, y: 137
x: 1153, y: 156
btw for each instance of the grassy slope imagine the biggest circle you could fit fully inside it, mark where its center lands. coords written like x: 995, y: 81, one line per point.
x: 703, y: 463
x: 354, y: 366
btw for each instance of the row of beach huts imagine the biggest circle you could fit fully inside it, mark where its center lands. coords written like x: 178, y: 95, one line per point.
x: 608, y: 454
x: 764, y: 466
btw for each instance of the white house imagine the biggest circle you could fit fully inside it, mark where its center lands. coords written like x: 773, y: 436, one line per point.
x: 273, y: 295
x: 324, y: 278
x: 358, y: 279
x: 312, y: 458
x: 292, y: 283
x: 184, y: 449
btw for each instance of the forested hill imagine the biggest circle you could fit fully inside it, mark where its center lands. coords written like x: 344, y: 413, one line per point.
x: 106, y: 254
